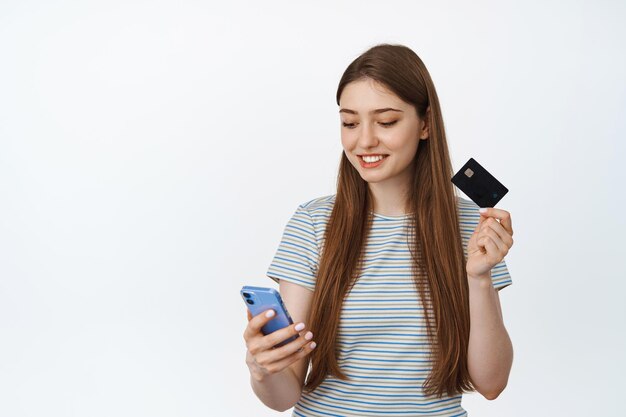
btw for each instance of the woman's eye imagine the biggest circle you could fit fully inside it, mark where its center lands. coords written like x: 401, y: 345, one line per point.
x: 352, y: 125
x: 388, y: 123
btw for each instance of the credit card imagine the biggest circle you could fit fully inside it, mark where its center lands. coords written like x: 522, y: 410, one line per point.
x: 479, y: 185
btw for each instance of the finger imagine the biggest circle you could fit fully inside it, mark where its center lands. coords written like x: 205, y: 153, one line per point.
x: 481, y: 218
x: 299, y: 354
x: 294, y: 357
x: 502, y: 234
x: 249, y: 315
x: 274, y: 338
x: 495, y: 237
x: 502, y: 215
x: 290, y: 348
x: 480, y: 242
x: 258, y: 321
x: 479, y: 226
x: 491, y: 249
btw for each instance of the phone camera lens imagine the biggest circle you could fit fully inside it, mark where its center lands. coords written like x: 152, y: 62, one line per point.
x: 247, y: 294
x: 249, y: 301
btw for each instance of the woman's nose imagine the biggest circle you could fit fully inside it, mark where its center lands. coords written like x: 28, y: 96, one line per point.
x: 367, y: 136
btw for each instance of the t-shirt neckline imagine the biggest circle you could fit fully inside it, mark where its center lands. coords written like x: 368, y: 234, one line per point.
x: 398, y: 217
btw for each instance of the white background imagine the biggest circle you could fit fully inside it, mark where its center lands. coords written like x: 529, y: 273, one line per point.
x: 151, y: 153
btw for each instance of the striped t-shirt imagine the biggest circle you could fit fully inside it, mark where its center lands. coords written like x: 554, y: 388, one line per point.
x: 382, y: 341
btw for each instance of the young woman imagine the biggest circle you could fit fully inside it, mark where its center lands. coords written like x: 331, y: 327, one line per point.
x: 392, y: 281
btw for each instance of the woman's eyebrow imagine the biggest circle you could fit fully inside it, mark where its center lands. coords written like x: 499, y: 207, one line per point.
x: 377, y: 111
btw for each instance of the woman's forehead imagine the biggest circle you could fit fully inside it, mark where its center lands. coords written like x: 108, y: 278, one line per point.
x: 367, y: 95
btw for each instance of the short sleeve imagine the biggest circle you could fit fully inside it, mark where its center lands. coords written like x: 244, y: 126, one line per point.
x: 500, y: 276
x: 297, y: 256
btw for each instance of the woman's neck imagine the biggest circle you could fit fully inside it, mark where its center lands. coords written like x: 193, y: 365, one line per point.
x: 389, y: 199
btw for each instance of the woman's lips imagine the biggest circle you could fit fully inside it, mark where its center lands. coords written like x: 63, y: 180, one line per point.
x: 371, y: 164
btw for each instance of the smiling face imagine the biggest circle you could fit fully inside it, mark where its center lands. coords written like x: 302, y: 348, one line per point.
x: 376, y: 123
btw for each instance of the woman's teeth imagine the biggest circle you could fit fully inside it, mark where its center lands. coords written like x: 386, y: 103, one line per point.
x: 370, y: 159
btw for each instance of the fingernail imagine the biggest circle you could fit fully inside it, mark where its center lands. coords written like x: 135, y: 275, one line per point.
x: 299, y: 326
x: 308, y: 336
x: 270, y: 313
x: 482, y: 209
x: 313, y: 344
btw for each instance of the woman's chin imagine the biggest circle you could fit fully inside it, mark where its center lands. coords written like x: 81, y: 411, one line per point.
x: 373, y: 178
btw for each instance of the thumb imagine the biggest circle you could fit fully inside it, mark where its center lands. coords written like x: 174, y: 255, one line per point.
x: 481, y: 218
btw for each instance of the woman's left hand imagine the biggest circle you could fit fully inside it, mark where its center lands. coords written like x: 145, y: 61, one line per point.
x: 489, y: 243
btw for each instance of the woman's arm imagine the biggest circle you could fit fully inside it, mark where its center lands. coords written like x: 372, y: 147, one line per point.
x: 490, y: 351
x: 281, y: 389
x: 278, y: 391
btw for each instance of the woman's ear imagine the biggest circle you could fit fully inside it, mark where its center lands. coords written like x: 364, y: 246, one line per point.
x: 425, y: 125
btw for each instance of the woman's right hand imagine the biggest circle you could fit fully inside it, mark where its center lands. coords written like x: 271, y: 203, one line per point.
x: 262, y: 358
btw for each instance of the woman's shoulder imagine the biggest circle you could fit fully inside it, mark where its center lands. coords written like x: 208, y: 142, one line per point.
x: 468, y: 216
x: 319, y: 205
x: 466, y: 206
x: 315, y: 213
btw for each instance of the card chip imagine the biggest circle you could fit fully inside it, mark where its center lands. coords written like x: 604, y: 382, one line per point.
x: 469, y: 172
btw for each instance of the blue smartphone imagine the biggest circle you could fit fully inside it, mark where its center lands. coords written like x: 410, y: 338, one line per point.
x: 259, y: 299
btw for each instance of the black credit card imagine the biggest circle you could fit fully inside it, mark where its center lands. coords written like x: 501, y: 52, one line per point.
x: 479, y: 185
